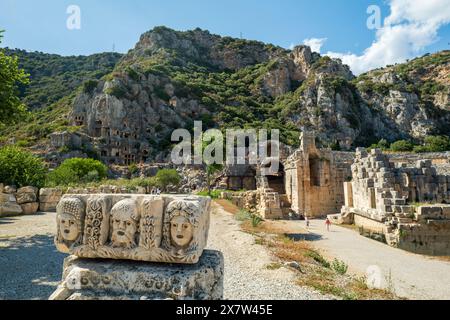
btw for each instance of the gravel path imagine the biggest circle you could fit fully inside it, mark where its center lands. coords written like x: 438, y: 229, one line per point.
x: 30, y: 266
x: 410, y: 275
x: 246, y: 275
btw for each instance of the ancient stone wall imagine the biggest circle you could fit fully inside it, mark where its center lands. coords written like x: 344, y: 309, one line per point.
x: 17, y: 202
x: 395, y: 199
x: 314, y: 178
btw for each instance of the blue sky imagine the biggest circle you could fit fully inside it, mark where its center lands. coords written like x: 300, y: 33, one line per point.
x: 41, y: 25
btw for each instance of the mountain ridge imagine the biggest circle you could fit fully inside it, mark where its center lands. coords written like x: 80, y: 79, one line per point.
x: 171, y: 78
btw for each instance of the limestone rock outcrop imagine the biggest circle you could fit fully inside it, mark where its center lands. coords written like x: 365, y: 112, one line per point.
x: 130, y: 115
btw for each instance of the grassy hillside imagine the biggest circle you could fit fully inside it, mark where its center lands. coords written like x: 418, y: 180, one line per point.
x: 53, y: 77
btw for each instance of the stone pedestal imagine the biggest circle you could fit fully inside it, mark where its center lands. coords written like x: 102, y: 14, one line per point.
x: 94, y: 279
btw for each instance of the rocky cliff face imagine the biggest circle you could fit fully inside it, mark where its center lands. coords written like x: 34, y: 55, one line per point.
x: 172, y: 78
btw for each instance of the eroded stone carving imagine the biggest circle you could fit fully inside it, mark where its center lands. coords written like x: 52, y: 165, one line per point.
x: 87, y: 279
x: 170, y: 229
x: 97, y: 221
x: 70, y: 219
x: 125, y: 218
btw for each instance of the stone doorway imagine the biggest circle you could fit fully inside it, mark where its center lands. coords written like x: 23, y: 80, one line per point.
x: 276, y: 181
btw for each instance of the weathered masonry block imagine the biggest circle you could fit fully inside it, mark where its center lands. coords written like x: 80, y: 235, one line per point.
x: 136, y: 247
x: 315, y: 177
x: 87, y: 279
x: 171, y: 229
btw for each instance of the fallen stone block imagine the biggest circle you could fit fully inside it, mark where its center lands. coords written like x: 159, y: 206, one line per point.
x: 26, y: 195
x: 48, y: 206
x: 8, y: 205
x: 30, y: 208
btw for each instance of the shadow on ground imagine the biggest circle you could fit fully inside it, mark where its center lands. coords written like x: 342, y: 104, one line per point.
x: 303, y: 236
x: 30, y: 268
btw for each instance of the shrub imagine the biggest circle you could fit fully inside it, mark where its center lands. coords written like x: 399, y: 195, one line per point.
x: 319, y: 259
x: 382, y: 144
x: 77, y: 170
x: 214, y: 194
x: 339, y: 266
x: 402, y: 146
x: 21, y: 168
x: 256, y: 220
x: 242, y: 215
x: 437, y: 143
x: 166, y: 177
x: 116, y: 91
x: 133, y: 168
x: 89, y: 86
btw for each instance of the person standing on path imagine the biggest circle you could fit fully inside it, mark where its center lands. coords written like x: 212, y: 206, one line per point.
x: 328, y: 223
x: 307, y: 222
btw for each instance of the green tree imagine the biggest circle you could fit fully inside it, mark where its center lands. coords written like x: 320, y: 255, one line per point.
x: 77, y: 170
x: 434, y: 144
x: 166, y: 177
x: 402, y: 146
x: 210, y: 167
x: 20, y: 168
x: 11, y: 76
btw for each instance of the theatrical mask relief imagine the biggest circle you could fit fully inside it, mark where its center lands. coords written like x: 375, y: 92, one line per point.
x: 152, y: 228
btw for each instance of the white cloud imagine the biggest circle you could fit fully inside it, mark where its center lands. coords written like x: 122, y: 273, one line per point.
x: 411, y: 26
x: 315, y: 43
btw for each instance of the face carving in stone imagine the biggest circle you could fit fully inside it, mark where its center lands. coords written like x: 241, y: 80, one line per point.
x: 180, y: 226
x: 124, y: 222
x: 181, y: 231
x: 70, y: 214
x: 68, y: 227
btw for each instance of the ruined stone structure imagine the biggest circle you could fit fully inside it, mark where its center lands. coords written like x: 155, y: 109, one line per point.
x: 239, y: 177
x: 158, y: 229
x: 314, y: 178
x: 309, y: 182
x: 16, y: 202
x: 398, y: 203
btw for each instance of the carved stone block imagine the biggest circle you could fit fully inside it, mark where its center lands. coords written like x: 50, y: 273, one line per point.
x: 86, y: 279
x: 152, y: 228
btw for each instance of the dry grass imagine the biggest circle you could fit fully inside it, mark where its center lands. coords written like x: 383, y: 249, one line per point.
x: 316, y: 272
x: 227, y: 206
x: 274, y: 266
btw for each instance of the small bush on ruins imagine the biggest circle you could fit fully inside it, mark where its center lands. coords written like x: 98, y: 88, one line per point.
x: 77, y: 170
x: 21, y: 168
x: 339, y: 266
x: 402, y: 146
